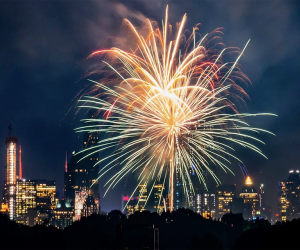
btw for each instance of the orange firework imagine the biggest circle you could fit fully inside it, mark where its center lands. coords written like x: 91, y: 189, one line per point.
x: 168, y: 104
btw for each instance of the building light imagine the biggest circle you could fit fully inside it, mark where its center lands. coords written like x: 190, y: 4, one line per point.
x: 248, y: 181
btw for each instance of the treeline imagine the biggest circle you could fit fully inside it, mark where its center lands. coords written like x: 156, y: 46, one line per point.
x: 182, y: 229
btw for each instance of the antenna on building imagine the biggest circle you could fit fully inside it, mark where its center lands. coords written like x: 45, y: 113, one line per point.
x: 66, y: 163
x: 20, y: 162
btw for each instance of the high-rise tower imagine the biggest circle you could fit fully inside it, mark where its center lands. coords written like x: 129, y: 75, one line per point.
x: 225, y: 198
x: 289, y: 193
x: 82, y: 173
x: 11, y: 177
x: 251, y: 199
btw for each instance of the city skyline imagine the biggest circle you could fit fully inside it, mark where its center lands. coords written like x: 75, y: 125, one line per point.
x: 47, y: 132
x: 33, y: 201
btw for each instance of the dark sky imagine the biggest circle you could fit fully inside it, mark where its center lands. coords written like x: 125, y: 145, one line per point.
x: 44, y: 44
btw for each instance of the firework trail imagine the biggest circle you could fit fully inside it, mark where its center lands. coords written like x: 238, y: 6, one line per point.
x: 244, y: 169
x: 167, y: 104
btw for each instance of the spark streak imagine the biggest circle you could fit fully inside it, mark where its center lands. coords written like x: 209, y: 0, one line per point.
x: 168, y: 104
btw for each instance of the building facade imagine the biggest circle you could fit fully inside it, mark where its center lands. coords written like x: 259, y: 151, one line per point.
x: 158, y: 193
x: 82, y: 170
x: 225, y: 197
x: 206, y: 205
x: 130, y: 205
x: 11, y: 176
x: 251, y: 200
x: 289, y: 197
x: 25, y: 199
x: 62, y: 215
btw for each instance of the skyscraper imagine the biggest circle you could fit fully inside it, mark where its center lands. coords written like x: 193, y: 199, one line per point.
x: 90, y: 139
x: 83, y: 172
x: 155, y: 201
x: 206, y: 205
x: 198, y: 192
x: 45, y: 194
x: 225, y: 197
x: 11, y: 177
x: 251, y: 199
x: 80, y: 199
x: 143, y: 196
x: 76, y: 178
x: 34, y: 201
x: 89, y: 206
x: 262, y: 196
x: 289, y: 197
x: 158, y: 192
x: 130, y: 206
x: 25, y: 199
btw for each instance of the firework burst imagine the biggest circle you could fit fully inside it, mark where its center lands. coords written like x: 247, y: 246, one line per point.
x: 167, y: 105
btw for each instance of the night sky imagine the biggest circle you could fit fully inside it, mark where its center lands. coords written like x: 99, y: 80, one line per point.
x: 43, y: 49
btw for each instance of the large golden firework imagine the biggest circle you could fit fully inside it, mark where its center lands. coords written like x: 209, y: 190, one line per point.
x: 168, y: 105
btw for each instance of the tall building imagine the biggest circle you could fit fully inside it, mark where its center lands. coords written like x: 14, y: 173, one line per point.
x: 76, y: 178
x: 202, y: 197
x: 178, y: 190
x: 45, y: 195
x: 251, y: 199
x: 289, y: 197
x: 80, y: 199
x: 191, y: 190
x: 90, y: 140
x: 225, y: 197
x: 83, y: 172
x: 136, y: 203
x: 25, y: 199
x: 265, y: 211
x: 45, y: 200
x: 89, y: 206
x: 4, y: 202
x: 206, y: 205
x: 262, y: 196
x: 155, y: 201
x: 158, y: 193
x: 34, y: 201
x: 11, y: 176
x: 130, y: 206
x: 143, y: 196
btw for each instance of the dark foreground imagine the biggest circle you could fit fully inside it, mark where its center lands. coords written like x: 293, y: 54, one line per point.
x: 183, y: 229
